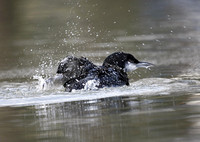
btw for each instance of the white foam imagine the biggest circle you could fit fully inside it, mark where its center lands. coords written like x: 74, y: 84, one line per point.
x: 23, y: 94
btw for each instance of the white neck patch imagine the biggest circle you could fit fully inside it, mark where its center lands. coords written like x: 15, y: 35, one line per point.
x: 130, y: 67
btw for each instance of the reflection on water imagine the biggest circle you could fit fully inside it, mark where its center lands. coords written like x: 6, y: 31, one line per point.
x: 159, y: 118
x: 161, y: 104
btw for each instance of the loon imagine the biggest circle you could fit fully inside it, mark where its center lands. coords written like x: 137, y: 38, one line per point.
x: 75, y: 73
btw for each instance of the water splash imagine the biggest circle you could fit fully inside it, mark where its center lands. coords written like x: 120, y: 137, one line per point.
x: 41, y: 82
x: 50, y: 83
x: 18, y: 94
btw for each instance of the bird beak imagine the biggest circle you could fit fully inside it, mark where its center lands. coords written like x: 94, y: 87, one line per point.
x: 144, y: 65
x: 133, y: 66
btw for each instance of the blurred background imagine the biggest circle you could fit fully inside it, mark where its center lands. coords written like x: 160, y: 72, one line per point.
x: 161, y: 104
x: 35, y: 36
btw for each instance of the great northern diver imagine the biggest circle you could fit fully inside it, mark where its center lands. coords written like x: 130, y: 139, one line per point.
x: 77, y: 72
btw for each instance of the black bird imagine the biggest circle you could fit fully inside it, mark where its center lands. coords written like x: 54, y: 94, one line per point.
x: 80, y: 73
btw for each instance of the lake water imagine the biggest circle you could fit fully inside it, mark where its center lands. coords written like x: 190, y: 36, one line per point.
x: 161, y: 104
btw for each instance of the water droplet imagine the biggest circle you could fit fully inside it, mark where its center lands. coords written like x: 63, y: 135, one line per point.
x: 64, y: 40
